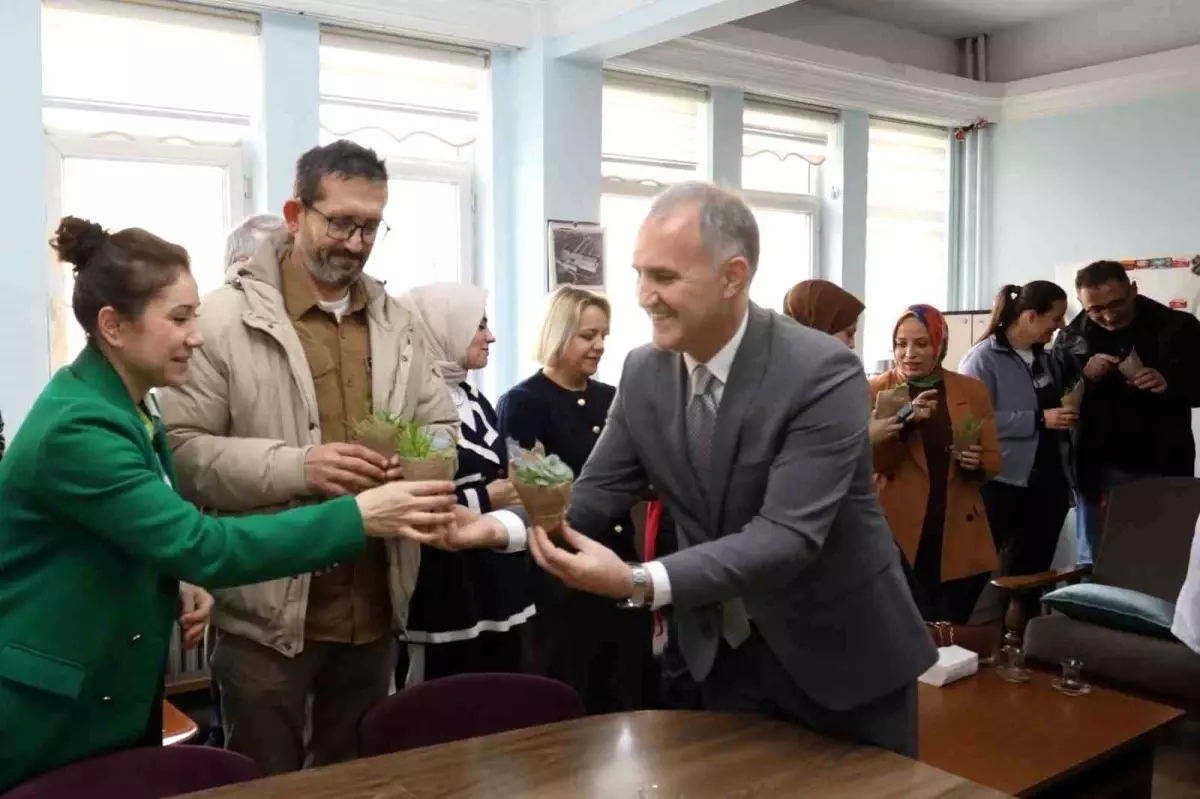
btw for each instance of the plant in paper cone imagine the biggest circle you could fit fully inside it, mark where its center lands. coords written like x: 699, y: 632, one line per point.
x: 967, y: 433
x: 1074, y: 398
x: 425, y: 453
x: 543, y: 482
x: 377, y: 432
x: 1131, y: 365
x: 891, y: 401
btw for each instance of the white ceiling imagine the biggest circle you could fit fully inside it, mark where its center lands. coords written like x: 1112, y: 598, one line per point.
x: 958, y: 18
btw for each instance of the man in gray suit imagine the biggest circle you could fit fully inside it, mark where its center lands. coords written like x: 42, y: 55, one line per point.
x: 787, y: 587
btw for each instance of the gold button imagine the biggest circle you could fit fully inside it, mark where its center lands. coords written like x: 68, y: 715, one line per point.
x: 618, y: 529
x: 596, y: 429
x: 582, y: 401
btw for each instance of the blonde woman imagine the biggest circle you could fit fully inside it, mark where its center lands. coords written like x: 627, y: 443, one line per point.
x: 581, y: 639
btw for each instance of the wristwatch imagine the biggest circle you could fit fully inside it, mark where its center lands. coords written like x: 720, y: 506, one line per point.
x: 643, y: 587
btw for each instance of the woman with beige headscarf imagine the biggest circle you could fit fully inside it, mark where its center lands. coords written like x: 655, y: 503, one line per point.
x: 467, y: 606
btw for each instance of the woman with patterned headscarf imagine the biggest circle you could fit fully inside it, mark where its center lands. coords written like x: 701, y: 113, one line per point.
x: 467, y: 606
x: 941, y: 448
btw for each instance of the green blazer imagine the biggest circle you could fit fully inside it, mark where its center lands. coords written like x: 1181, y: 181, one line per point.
x: 93, y: 543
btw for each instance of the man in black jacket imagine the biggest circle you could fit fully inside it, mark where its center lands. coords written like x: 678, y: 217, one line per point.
x: 1137, y: 424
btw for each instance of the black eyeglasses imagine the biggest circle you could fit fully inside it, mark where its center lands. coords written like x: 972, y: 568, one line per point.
x: 343, y: 228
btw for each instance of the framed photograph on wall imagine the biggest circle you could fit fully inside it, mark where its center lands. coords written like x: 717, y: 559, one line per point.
x: 576, y: 255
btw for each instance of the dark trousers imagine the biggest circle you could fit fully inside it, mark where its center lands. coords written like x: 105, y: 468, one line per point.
x: 751, y: 680
x: 1028, y: 522
x: 490, y: 652
x: 266, y: 697
x: 602, y: 651
x: 676, y: 688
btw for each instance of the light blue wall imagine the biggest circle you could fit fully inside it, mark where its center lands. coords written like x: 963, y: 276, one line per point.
x: 554, y: 106
x: 1116, y: 182
x: 288, y: 122
x: 843, y: 240
x: 723, y: 134
x: 24, y: 267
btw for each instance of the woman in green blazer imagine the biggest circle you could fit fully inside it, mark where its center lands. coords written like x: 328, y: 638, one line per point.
x: 94, y: 541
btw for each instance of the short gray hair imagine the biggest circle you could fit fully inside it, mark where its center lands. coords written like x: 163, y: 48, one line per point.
x: 244, y: 239
x: 727, y: 225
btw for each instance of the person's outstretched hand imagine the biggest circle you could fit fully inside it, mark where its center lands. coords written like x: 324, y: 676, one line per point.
x: 422, y: 511
x: 592, y: 567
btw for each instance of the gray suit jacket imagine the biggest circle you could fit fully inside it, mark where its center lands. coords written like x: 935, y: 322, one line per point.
x: 789, y: 520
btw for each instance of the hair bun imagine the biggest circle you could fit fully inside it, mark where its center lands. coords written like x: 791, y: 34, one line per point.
x: 78, y: 240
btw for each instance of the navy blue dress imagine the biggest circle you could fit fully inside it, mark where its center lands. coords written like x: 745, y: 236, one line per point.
x: 467, y: 605
x: 582, y: 639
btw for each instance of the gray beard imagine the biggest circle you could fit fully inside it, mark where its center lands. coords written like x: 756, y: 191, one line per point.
x: 331, y: 274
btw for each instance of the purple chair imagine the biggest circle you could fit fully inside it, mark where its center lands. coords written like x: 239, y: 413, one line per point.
x: 465, y: 706
x: 145, y: 773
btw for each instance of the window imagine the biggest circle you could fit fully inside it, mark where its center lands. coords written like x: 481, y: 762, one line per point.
x: 651, y: 138
x: 203, y: 86
x: 418, y: 107
x: 907, y: 235
x: 187, y: 195
x: 783, y: 147
x: 154, y: 148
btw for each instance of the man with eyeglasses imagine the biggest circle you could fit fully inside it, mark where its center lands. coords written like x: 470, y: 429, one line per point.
x: 1130, y: 426
x: 300, y: 345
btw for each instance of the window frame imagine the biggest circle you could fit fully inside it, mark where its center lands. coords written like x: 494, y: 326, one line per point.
x: 462, y: 176
x: 807, y: 204
x: 60, y: 147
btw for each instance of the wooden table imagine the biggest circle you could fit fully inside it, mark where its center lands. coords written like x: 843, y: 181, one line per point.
x: 648, y: 755
x: 177, y: 726
x: 1028, y: 739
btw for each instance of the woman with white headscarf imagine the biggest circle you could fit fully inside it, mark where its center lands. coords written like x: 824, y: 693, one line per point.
x: 467, y: 605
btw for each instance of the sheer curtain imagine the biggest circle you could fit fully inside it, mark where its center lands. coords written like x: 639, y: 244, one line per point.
x: 908, y: 178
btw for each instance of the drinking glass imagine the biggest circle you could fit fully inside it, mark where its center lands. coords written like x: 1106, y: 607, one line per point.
x: 1071, y: 682
x: 1012, y: 665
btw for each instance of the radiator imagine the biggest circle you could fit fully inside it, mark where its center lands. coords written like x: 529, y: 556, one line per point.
x: 186, y: 665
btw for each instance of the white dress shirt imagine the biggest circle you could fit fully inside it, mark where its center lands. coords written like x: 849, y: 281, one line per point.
x: 719, y: 365
x: 1187, y: 609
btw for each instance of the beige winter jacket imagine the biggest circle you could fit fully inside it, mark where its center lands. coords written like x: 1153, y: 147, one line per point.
x: 242, y: 424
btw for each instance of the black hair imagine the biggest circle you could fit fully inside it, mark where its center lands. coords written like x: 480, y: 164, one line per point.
x: 122, y: 270
x: 342, y: 158
x: 1011, y: 301
x: 1098, y: 273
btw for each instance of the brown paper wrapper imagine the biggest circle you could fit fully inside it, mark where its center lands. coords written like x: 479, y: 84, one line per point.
x: 546, y: 505
x: 891, y: 401
x: 381, y: 441
x: 436, y: 468
x: 1131, y: 365
x: 1073, y: 398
